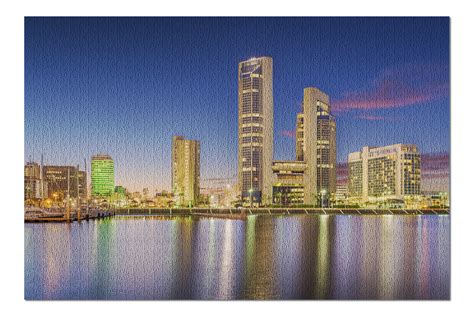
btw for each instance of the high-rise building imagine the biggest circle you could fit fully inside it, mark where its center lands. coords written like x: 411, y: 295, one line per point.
x: 311, y: 179
x: 300, y: 137
x: 32, y: 181
x: 255, y: 149
x: 318, y: 146
x: 59, y: 180
x: 383, y: 173
x: 185, y: 171
x: 102, y: 176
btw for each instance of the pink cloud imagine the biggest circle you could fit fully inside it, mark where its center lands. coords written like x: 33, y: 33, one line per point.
x: 289, y: 134
x: 373, y: 117
x: 398, y: 87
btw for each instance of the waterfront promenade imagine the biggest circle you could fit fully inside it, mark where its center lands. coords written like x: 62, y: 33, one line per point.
x: 275, y: 211
x: 238, y: 213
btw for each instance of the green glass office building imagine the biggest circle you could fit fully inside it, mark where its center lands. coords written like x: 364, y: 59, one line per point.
x: 102, y: 176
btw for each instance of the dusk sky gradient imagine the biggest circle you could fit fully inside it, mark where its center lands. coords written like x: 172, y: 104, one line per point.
x: 125, y: 86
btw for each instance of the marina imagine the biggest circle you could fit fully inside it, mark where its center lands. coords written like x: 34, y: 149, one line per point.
x: 40, y: 215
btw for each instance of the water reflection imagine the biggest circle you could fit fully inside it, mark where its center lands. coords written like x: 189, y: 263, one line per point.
x: 264, y: 257
x: 261, y: 270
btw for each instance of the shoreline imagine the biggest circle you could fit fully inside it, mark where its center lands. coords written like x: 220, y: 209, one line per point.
x: 241, y: 214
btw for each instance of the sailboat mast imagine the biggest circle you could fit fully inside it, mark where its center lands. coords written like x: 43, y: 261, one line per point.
x: 85, y: 186
x: 77, y: 185
x: 68, y: 200
x: 78, y: 203
x: 42, y: 182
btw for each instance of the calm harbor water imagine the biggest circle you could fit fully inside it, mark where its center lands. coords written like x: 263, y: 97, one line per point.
x: 265, y: 257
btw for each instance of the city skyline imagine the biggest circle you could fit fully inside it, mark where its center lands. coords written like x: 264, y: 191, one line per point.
x: 114, y: 96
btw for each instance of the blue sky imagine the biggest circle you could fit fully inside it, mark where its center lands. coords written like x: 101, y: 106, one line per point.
x: 125, y: 86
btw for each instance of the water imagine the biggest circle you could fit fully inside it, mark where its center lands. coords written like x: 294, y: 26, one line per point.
x: 265, y: 257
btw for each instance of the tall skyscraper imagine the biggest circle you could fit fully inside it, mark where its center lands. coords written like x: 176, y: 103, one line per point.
x: 380, y: 173
x: 319, y: 146
x: 255, y: 149
x: 185, y: 171
x: 102, y: 176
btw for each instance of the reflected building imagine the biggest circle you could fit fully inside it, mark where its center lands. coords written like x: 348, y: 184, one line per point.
x: 261, y: 271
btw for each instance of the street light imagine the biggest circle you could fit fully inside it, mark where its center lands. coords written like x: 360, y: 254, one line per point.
x: 323, y: 193
x: 251, y: 200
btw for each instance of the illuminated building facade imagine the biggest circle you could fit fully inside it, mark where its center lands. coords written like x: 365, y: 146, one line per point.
x: 311, y: 178
x: 288, y: 188
x: 102, y: 176
x: 56, y: 182
x: 317, y: 146
x: 185, y: 171
x: 119, y: 197
x: 32, y: 181
x: 255, y: 124
x: 300, y: 137
x: 341, y: 194
x: 383, y: 173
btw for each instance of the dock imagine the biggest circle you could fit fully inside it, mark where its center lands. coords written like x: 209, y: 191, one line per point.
x: 74, y: 216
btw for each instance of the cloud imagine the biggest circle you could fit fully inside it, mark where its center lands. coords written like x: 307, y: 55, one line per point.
x: 374, y: 117
x: 289, y: 134
x: 435, y: 165
x: 398, y: 87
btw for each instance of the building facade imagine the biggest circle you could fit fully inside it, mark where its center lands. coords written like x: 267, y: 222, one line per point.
x: 378, y: 174
x: 59, y: 180
x: 119, y: 196
x: 102, y: 176
x: 32, y: 184
x: 318, y: 146
x: 311, y: 178
x: 255, y: 129
x: 288, y: 187
x: 185, y: 171
x: 300, y: 136
x: 341, y: 194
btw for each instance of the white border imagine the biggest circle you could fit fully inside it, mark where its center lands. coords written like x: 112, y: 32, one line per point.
x: 12, y: 152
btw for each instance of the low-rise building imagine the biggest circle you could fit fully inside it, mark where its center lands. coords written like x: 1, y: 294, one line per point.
x: 288, y: 183
x: 32, y: 181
